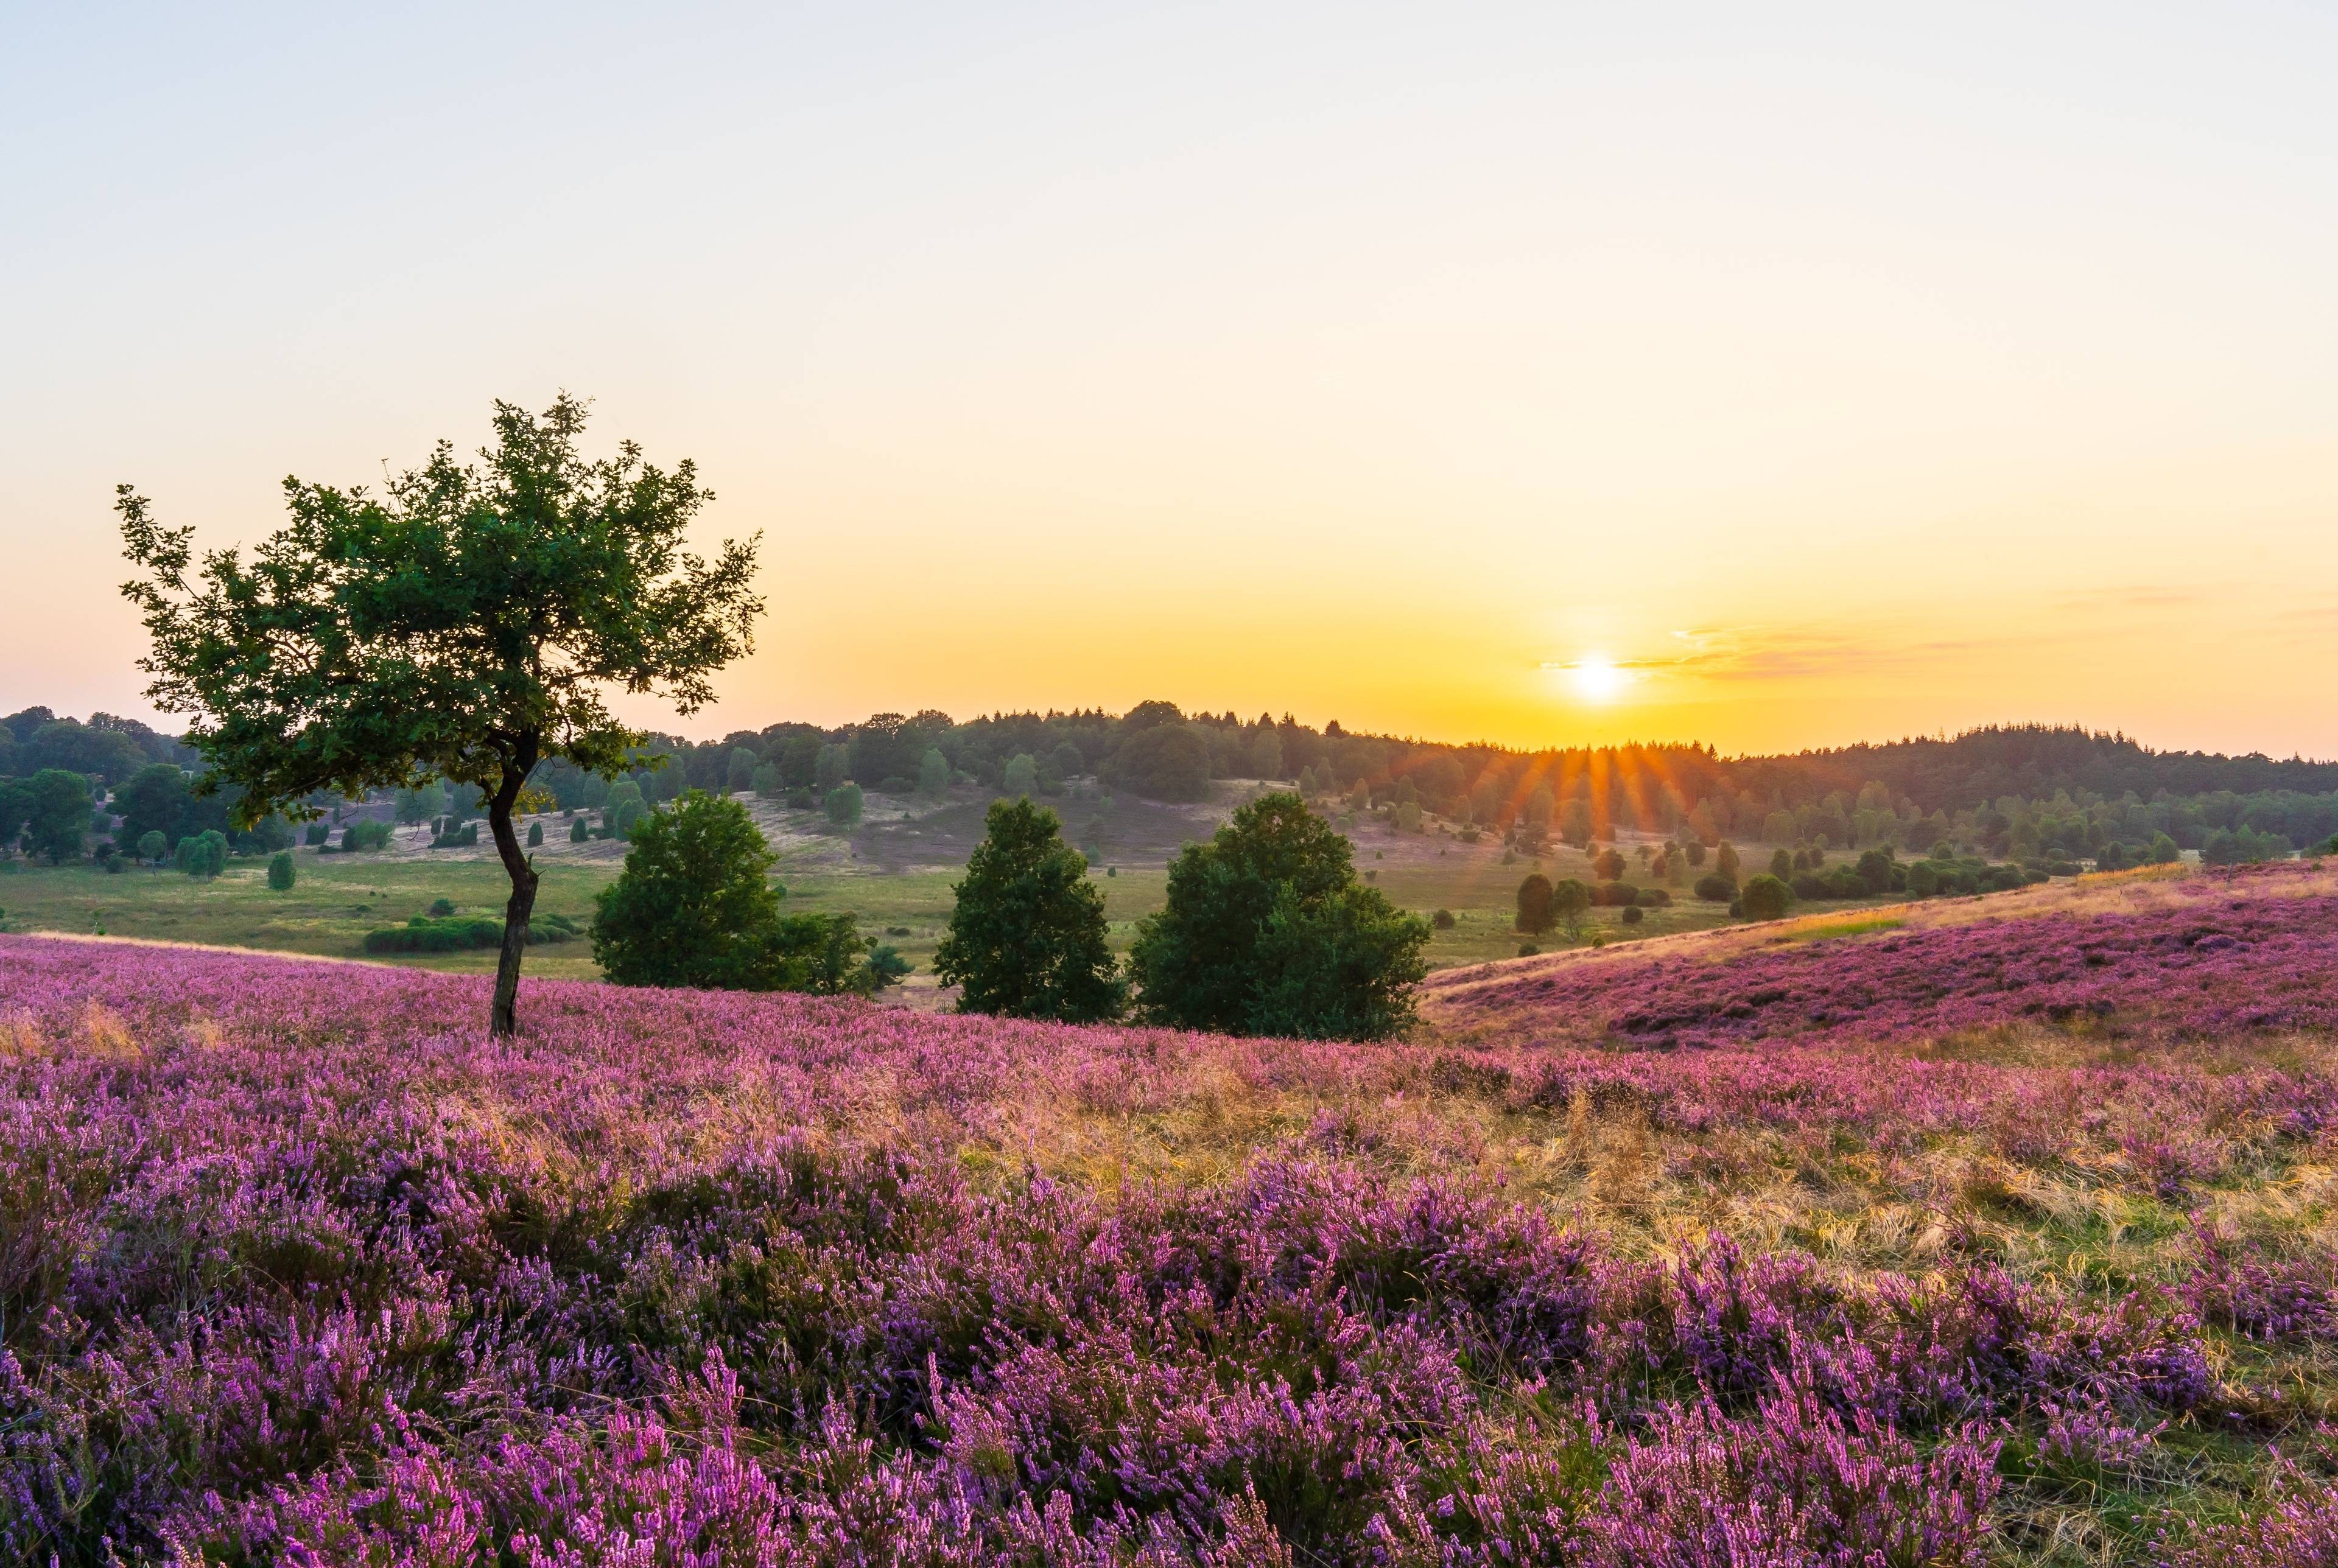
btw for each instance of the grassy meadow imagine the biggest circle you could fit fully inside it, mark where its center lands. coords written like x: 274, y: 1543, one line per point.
x: 894, y: 871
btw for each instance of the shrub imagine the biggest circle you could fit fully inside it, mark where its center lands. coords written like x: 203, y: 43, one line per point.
x: 365, y: 834
x: 152, y: 847
x: 1875, y: 870
x: 830, y: 767
x: 442, y: 907
x: 1766, y: 897
x: 934, y: 773
x: 580, y: 831
x: 1442, y: 920
x: 1715, y: 889
x: 1782, y: 865
x: 535, y: 835
x: 1570, y: 900
x: 1267, y: 931
x: 1535, y: 913
x: 1633, y: 915
x: 1724, y: 861
x: 1028, y: 937
x: 843, y: 804
x: 1527, y: 950
x: 279, y: 871
x: 1654, y: 898
x: 1607, y: 864
x: 423, y: 935
x: 691, y: 908
x: 204, y: 855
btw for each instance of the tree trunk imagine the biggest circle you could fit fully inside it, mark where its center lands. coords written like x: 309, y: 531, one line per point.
x: 516, y: 865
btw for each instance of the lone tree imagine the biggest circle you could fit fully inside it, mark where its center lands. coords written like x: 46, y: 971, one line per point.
x: 1028, y: 936
x: 464, y: 623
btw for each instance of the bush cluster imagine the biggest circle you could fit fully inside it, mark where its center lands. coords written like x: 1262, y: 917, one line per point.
x: 455, y: 934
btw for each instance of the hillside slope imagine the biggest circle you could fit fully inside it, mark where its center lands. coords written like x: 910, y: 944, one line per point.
x: 2132, y: 954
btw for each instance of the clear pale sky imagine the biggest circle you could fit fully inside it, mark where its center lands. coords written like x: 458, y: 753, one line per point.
x: 1811, y: 374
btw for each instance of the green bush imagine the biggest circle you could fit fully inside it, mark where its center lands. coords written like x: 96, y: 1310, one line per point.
x: 1634, y: 914
x: 1535, y: 914
x: 580, y: 831
x: 843, y: 804
x: 204, y: 855
x: 1654, y: 898
x: 693, y: 908
x: 535, y: 835
x: 1267, y: 931
x: 1442, y: 920
x: 365, y: 834
x: 452, y: 933
x: 279, y: 871
x: 152, y: 847
x: 1766, y: 897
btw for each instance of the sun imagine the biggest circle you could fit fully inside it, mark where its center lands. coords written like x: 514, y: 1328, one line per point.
x: 1596, y: 678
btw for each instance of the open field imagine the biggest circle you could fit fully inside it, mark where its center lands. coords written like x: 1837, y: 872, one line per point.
x: 894, y: 872
x: 2005, y: 1233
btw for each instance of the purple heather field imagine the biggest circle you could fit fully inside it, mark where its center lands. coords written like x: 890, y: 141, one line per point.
x: 1990, y: 1240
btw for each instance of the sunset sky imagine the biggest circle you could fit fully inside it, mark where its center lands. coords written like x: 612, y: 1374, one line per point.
x: 1773, y: 376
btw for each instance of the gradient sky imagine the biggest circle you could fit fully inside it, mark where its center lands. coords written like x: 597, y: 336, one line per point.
x: 1542, y: 373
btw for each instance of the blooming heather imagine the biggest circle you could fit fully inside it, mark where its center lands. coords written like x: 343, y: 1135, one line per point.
x: 297, y: 1264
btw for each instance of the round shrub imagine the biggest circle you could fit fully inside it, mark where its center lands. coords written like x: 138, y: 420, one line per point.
x: 1633, y: 915
x: 1655, y: 897
x: 1766, y: 898
x: 1715, y: 889
x: 1442, y: 920
x: 279, y: 871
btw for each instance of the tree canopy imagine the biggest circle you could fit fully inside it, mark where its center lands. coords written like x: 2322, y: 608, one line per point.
x: 1268, y: 931
x: 693, y: 908
x: 1028, y: 937
x: 465, y: 623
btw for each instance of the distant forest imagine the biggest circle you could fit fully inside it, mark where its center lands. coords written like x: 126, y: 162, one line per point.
x: 2012, y: 790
